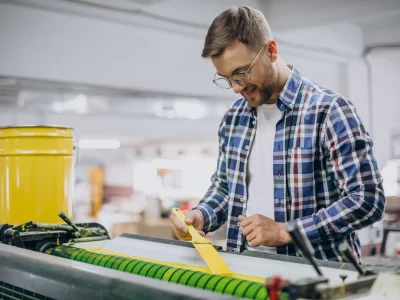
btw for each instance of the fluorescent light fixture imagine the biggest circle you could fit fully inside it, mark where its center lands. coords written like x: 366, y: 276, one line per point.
x: 99, y: 144
x: 78, y: 104
x: 190, y: 109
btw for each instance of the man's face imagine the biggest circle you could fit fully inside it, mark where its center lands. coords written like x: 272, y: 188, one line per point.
x: 237, y: 57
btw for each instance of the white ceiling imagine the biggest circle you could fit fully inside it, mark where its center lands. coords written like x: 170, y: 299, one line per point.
x: 378, y: 20
x: 335, y: 24
x: 373, y: 17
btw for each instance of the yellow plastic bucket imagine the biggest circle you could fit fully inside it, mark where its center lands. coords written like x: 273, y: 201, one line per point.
x: 36, y: 174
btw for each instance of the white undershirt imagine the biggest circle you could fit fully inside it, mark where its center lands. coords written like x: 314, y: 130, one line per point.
x: 260, y: 185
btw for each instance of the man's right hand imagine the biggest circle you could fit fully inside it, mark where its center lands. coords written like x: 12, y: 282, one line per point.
x: 194, y: 217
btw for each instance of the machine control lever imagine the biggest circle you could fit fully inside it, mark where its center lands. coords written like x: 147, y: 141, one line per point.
x: 67, y: 220
x: 303, y: 244
x: 348, y: 255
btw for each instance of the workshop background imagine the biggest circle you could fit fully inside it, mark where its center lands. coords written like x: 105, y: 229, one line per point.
x: 128, y: 76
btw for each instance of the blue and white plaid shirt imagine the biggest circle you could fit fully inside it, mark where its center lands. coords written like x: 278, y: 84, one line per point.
x: 325, y: 174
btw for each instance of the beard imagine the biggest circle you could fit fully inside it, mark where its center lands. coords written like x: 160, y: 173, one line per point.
x: 264, y: 94
x: 265, y: 91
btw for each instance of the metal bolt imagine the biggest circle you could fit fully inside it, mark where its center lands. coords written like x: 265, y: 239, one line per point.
x: 343, y: 276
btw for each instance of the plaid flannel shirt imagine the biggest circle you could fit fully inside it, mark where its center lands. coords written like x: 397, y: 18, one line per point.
x: 325, y: 174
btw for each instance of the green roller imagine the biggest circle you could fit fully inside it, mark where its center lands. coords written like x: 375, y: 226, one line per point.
x: 215, y: 283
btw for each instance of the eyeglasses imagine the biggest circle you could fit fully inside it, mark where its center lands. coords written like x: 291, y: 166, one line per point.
x: 241, y: 78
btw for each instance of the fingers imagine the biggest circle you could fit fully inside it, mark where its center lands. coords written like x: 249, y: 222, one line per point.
x: 177, y: 226
x: 253, y: 239
x: 245, y: 221
x: 180, y: 229
x: 184, y: 237
x: 255, y: 243
x: 180, y: 234
x: 251, y: 236
x: 247, y: 230
x: 189, y: 219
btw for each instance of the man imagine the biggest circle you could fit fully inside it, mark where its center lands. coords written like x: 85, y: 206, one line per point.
x: 289, y: 150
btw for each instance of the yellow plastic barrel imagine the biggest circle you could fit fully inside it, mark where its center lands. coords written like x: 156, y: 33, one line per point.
x: 36, y: 174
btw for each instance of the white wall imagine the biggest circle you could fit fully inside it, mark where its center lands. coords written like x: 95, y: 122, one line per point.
x: 60, y: 46
x: 56, y: 46
x: 385, y: 66
x: 358, y: 90
x: 122, y: 128
x: 325, y: 73
x: 380, y: 110
x: 120, y: 174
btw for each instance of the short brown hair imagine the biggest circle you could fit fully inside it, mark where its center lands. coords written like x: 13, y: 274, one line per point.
x: 244, y: 24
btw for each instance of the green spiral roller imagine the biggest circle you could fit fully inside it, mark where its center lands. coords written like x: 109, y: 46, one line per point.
x: 215, y: 283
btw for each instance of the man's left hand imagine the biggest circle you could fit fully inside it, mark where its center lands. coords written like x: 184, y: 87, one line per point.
x: 263, y: 231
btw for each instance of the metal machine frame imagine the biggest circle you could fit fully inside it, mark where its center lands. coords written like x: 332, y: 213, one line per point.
x: 28, y: 273
x: 63, y: 279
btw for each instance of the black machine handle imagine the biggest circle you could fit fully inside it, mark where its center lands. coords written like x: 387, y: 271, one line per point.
x: 346, y: 252
x: 67, y: 220
x: 303, y: 244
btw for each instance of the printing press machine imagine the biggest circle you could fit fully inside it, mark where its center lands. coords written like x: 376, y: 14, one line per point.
x: 44, y: 255
x: 80, y: 261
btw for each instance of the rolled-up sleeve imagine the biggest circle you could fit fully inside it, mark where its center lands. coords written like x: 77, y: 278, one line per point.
x: 214, y: 204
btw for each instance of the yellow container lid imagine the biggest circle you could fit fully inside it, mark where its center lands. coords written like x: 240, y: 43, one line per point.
x: 36, y: 130
x: 36, y: 140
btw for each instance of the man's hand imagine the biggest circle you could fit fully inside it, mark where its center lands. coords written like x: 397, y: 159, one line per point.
x: 262, y: 231
x: 194, y: 217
